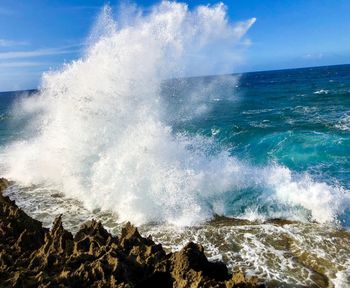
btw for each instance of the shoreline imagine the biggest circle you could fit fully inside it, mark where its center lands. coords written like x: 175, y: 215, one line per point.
x: 96, y: 258
x: 34, y: 256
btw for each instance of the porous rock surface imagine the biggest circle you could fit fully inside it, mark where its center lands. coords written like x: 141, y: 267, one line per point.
x: 33, y: 256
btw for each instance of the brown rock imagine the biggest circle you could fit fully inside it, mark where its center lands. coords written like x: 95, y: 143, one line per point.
x: 240, y: 280
x: 33, y: 256
x: 191, y: 268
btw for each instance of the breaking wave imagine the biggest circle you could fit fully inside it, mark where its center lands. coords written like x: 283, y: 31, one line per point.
x: 101, y: 131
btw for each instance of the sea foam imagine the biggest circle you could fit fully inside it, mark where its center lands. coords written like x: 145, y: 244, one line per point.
x: 100, y: 130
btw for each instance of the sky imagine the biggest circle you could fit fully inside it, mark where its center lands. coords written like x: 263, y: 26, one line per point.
x: 39, y: 35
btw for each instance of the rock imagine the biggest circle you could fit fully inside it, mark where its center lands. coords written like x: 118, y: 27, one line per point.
x: 131, y: 237
x: 191, y: 268
x: 92, y: 238
x: 33, y: 256
x: 94, y: 230
x: 4, y: 183
x: 240, y: 280
x: 14, y: 222
x: 58, y: 244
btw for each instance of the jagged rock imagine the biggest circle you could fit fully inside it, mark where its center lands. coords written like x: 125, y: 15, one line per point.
x: 240, y: 280
x: 33, y: 256
x: 4, y: 183
x: 15, y: 221
x: 20, y: 235
x: 191, y: 268
x: 131, y: 237
x: 58, y: 244
x: 93, y: 229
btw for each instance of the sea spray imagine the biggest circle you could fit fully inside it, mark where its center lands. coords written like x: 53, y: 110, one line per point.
x: 100, y: 129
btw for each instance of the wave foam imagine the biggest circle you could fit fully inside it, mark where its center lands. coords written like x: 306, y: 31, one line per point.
x: 100, y: 132
x: 344, y: 123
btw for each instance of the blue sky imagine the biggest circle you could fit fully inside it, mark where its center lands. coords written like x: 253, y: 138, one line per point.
x: 39, y: 35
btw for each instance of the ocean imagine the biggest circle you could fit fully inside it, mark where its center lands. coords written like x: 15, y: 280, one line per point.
x: 256, y: 146
x: 253, y: 166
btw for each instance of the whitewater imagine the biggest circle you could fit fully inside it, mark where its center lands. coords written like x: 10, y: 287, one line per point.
x: 101, y: 139
x: 100, y: 131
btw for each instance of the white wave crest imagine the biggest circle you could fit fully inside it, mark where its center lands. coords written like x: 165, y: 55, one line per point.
x: 344, y: 123
x: 99, y: 132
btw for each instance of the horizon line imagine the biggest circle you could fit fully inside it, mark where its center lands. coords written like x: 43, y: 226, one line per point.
x: 213, y: 75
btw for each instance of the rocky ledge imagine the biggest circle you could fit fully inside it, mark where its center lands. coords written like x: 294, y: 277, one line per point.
x: 33, y: 256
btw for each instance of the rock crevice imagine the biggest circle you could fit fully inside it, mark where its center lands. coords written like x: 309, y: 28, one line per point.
x: 33, y: 256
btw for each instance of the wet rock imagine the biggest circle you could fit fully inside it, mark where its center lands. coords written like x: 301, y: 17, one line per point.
x: 14, y: 221
x: 240, y: 280
x: 4, y: 183
x: 191, y: 268
x: 58, y: 244
x: 33, y: 256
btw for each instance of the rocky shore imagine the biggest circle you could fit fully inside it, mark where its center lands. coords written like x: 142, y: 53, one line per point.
x: 34, y: 256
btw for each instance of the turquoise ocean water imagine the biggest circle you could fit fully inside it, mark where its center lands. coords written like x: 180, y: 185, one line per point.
x: 270, y: 144
x: 298, y: 119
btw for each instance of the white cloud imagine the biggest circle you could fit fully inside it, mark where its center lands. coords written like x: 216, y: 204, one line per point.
x: 313, y: 56
x: 22, y: 69
x: 22, y: 64
x: 11, y: 43
x: 37, y: 53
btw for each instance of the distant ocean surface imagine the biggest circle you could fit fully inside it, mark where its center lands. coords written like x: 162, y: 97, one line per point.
x: 298, y: 119
x: 284, y: 137
x: 189, y: 159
